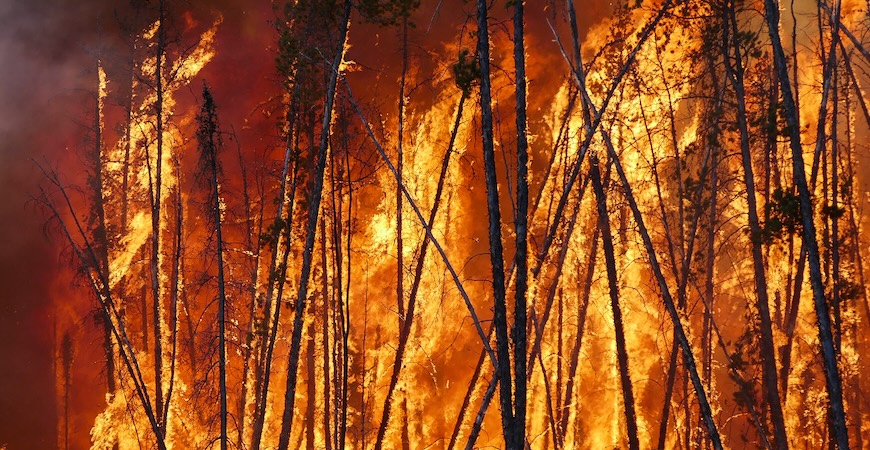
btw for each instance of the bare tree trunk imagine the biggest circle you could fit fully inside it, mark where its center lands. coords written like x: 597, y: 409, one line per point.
x: 834, y: 212
x: 313, y: 212
x: 178, y: 246
x: 613, y: 283
x: 325, y: 338
x: 405, y: 325
x: 522, y: 231
x: 156, y: 188
x: 481, y: 413
x: 466, y: 401
x: 509, y: 426
x: 312, y: 389
x: 345, y: 303
x: 855, y: 250
x: 100, y: 233
x: 732, y: 51
x: 400, y: 257
x: 832, y: 374
x: 209, y: 145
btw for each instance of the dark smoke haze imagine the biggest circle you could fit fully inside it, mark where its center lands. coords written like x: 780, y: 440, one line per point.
x: 47, y: 51
x: 39, y: 62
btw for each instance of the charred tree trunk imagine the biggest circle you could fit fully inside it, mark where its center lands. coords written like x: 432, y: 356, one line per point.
x: 324, y: 286
x: 405, y: 325
x: 209, y: 144
x: 734, y: 70
x: 156, y: 187
x: 613, y: 283
x: 509, y: 426
x: 522, y: 219
x: 834, y: 212
x: 829, y: 356
x: 313, y: 212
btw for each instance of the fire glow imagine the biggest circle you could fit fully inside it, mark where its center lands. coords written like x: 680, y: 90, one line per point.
x: 457, y: 224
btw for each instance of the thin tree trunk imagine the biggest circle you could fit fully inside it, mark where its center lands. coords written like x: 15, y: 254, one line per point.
x: 834, y: 213
x: 178, y: 247
x: 271, y: 318
x: 829, y: 357
x: 313, y: 211
x: 551, y: 292
x: 613, y: 283
x: 466, y: 401
x: 405, y: 325
x: 156, y: 188
x: 855, y: 251
x: 582, y: 309
x: 509, y: 426
x: 325, y: 339
x: 249, y: 354
x: 400, y: 257
x: 100, y: 234
x: 731, y: 48
x: 522, y: 218
x: 679, y: 332
x: 522, y: 246
x: 209, y: 145
x: 312, y: 388
x: 345, y: 304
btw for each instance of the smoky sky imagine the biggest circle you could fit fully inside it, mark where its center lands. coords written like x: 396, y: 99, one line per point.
x: 47, y: 49
x: 47, y: 54
x: 38, y: 66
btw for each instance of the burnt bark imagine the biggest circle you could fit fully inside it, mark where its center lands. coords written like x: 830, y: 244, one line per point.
x: 522, y: 231
x: 826, y: 340
x: 209, y: 138
x: 613, y: 284
x: 734, y: 70
x: 503, y: 374
x: 311, y: 229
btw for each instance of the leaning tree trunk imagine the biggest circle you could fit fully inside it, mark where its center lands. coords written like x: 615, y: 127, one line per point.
x: 503, y: 374
x: 405, y: 325
x: 679, y: 332
x: 610, y: 263
x: 832, y: 374
x: 731, y: 50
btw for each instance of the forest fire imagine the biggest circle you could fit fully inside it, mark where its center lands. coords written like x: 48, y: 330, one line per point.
x: 442, y: 224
